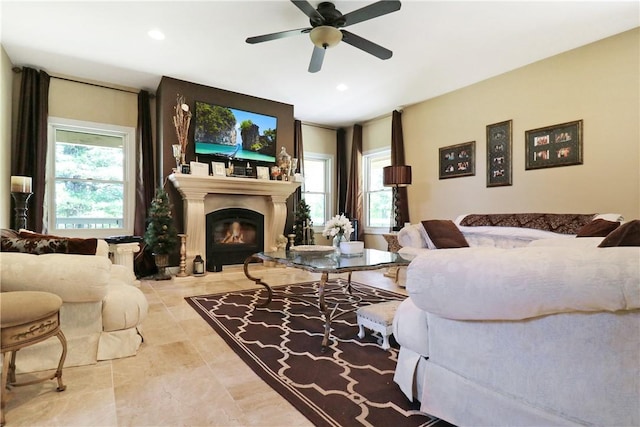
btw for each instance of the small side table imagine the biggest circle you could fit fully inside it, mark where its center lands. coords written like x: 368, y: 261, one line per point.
x: 392, y: 246
x: 122, y: 249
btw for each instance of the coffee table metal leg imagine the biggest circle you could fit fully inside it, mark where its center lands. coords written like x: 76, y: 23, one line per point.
x: 257, y: 280
x: 324, y: 310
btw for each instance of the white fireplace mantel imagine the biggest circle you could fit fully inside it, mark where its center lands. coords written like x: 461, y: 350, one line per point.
x: 194, y: 190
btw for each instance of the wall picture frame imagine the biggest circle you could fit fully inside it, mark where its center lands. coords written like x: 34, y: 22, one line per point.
x: 553, y: 146
x: 219, y: 169
x: 499, y: 154
x: 263, y: 172
x: 458, y: 160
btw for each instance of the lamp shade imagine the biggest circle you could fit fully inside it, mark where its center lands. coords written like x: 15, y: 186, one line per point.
x: 325, y: 36
x: 396, y: 176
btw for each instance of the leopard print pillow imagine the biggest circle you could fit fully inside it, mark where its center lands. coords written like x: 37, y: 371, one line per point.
x: 34, y: 246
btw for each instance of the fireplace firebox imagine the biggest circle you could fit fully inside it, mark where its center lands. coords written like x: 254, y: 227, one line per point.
x: 232, y: 235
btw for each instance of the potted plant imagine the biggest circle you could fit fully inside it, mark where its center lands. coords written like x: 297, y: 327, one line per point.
x: 161, y: 236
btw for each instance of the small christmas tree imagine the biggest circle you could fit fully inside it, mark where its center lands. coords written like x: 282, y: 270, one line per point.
x: 161, y: 235
x: 302, y: 225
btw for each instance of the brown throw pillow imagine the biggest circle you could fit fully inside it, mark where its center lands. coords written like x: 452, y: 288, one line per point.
x: 627, y: 234
x: 444, y: 234
x: 597, y: 228
x: 75, y: 246
x: 82, y: 246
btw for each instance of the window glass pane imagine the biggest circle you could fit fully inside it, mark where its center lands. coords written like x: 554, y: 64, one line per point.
x: 314, y: 174
x: 81, y: 161
x: 375, y: 172
x: 317, y: 204
x: 380, y: 209
x: 83, y: 204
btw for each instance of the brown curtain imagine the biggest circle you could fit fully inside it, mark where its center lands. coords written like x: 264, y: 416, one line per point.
x: 341, y: 170
x: 298, y: 152
x: 397, y: 159
x: 29, y: 148
x: 353, y: 206
x: 145, y: 182
x: 145, y: 176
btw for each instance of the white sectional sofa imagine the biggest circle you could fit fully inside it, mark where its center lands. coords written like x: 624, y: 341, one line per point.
x: 542, y: 333
x: 102, y: 311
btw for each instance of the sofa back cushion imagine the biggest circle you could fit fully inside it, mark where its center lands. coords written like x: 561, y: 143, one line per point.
x: 444, y: 234
x: 627, y: 234
x: 557, y: 223
x: 74, y: 278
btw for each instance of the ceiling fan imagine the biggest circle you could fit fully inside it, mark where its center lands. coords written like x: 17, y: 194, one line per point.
x: 325, y: 31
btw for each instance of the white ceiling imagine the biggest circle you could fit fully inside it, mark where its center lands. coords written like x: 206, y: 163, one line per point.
x: 438, y: 46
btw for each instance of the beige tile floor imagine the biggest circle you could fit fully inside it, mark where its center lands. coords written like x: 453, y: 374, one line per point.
x: 183, y: 375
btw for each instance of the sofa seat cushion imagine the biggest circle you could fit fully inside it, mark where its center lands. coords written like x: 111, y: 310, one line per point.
x: 123, y: 307
x: 522, y: 283
x: 74, y: 278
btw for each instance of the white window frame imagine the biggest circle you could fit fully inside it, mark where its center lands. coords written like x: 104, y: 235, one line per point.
x: 128, y: 136
x: 367, y: 158
x: 328, y: 185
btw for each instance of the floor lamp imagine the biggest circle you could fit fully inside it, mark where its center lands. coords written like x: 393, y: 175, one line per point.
x: 396, y: 177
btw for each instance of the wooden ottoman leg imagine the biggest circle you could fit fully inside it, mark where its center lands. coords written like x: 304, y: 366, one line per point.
x: 5, y: 371
x: 63, y: 356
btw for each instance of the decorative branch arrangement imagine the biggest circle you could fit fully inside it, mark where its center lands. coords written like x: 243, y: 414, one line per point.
x: 181, y: 121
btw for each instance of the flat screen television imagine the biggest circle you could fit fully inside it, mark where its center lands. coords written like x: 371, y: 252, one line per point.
x: 233, y: 133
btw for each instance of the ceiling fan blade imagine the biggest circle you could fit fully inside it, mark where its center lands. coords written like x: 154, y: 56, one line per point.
x: 371, y: 11
x: 309, y: 10
x: 275, y: 36
x: 366, y: 45
x: 316, y: 59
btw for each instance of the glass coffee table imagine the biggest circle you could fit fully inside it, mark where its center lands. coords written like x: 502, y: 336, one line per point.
x: 326, y: 264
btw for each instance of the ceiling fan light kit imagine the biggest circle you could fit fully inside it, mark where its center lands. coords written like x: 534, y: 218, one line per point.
x: 325, y: 36
x: 326, y: 22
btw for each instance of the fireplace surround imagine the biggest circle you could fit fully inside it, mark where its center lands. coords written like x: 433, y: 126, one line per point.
x: 204, y: 194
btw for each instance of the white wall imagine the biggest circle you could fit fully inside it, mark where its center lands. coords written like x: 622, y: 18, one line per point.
x: 6, y: 91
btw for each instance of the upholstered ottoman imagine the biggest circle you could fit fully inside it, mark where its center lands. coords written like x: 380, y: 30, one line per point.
x: 27, y: 318
x: 378, y: 318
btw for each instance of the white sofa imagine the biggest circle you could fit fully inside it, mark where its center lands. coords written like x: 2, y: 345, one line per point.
x: 102, y: 311
x: 543, y: 334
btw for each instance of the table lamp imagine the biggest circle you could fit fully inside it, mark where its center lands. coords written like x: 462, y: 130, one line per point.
x: 396, y: 177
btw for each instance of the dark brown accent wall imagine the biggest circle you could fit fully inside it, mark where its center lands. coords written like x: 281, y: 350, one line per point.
x: 166, y: 94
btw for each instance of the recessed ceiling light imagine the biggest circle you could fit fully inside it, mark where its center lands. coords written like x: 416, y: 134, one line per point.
x: 342, y: 87
x: 156, y: 34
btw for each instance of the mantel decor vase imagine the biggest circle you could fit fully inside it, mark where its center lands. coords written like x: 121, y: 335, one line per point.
x: 284, y: 163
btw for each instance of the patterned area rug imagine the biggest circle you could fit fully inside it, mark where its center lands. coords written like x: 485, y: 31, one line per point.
x: 350, y: 384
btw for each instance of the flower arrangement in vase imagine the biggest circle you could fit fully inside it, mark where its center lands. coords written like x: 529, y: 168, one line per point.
x: 340, y: 228
x: 181, y: 121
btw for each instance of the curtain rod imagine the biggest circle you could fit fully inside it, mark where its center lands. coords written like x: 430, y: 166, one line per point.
x: 18, y: 70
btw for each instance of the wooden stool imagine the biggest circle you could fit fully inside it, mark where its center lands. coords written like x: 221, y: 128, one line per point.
x: 27, y: 318
x: 379, y: 318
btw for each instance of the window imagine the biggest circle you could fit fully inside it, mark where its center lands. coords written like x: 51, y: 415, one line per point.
x: 317, y: 186
x: 377, y: 198
x: 90, y: 181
